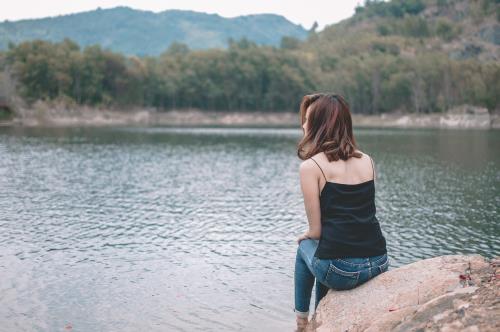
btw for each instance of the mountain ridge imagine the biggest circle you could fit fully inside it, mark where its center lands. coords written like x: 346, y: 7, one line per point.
x: 142, y: 32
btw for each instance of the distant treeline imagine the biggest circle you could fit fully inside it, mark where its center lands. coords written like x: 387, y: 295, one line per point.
x: 244, y: 77
x: 371, y: 67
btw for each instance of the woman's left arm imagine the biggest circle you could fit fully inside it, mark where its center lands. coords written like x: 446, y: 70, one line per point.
x: 309, y: 183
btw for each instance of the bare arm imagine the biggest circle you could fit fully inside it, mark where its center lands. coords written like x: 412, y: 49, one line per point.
x: 309, y: 184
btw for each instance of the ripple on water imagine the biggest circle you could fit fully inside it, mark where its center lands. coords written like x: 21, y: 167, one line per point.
x: 194, y: 228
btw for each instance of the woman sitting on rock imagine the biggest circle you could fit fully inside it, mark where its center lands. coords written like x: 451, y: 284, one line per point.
x: 344, y: 246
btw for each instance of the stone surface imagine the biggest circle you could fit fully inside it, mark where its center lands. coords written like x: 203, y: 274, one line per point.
x: 466, y: 116
x: 445, y: 293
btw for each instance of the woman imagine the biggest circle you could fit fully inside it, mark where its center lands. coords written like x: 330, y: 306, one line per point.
x: 344, y: 246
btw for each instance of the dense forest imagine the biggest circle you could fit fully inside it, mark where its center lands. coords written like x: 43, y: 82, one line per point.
x: 404, y: 55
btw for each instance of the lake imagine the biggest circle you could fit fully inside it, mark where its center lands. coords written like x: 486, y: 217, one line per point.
x: 185, y: 229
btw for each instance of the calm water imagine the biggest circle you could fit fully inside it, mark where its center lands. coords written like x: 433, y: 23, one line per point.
x: 159, y: 229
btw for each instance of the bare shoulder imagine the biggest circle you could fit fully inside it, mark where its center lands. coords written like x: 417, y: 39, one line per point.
x: 309, y: 170
x: 306, y: 166
x: 364, y: 155
x: 368, y: 164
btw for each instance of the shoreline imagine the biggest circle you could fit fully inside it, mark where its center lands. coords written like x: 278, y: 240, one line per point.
x: 465, y: 117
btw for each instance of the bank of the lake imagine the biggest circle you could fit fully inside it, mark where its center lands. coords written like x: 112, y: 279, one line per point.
x: 45, y: 115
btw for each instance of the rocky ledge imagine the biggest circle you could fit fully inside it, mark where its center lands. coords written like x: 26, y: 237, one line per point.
x: 445, y: 293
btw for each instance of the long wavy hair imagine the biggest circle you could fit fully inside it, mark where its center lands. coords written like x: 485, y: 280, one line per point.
x: 329, y: 128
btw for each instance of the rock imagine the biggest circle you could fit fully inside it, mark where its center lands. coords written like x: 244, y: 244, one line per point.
x: 490, y: 34
x: 434, y: 294
x: 495, y: 120
x: 466, y: 116
x: 468, y: 51
x: 468, y: 110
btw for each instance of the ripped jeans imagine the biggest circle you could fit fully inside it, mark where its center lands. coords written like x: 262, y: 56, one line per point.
x: 336, y: 273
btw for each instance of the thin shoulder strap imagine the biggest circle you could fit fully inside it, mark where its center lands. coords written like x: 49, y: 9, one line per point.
x: 373, y: 167
x: 319, y: 168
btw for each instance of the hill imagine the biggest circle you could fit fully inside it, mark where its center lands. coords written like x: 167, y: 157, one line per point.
x: 462, y: 29
x: 411, y: 55
x: 402, y: 56
x: 137, y: 32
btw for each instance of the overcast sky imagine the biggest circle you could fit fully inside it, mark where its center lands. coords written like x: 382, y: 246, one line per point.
x: 303, y: 12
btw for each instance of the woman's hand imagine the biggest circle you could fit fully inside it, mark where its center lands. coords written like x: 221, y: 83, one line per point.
x: 303, y: 237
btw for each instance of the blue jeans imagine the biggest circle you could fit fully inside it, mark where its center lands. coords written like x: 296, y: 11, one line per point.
x: 336, y: 273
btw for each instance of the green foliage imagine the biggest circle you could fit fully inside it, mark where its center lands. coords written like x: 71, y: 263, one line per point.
x: 6, y: 112
x: 48, y: 71
x: 478, y: 9
x: 395, y: 8
x: 327, y: 62
x: 245, y: 77
x: 418, y: 27
x: 177, y: 48
x: 383, y: 29
x: 241, y: 44
x: 389, y: 65
x: 359, y: 9
x: 290, y: 43
x: 442, y: 3
x: 446, y: 30
x: 414, y: 26
x: 385, y: 47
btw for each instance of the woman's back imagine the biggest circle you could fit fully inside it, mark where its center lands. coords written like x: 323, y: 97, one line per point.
x: 350, y: 171
x: 347, y: 201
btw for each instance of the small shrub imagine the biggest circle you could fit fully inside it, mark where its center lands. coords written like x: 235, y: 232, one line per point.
x: 5, y: 113
x: 415, y: 27
x: 446, y: 30
x: 383, y: 30
x: 388, y: 48
x: 289, y: 43
x: 328, y: 63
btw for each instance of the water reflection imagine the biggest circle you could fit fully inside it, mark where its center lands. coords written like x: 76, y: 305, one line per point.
x: 194, y: 228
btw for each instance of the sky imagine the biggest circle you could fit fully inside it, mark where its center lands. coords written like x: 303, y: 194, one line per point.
x: 303, y: 12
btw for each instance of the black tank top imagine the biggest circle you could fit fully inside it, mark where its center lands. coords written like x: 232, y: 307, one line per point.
x: 349, y: 227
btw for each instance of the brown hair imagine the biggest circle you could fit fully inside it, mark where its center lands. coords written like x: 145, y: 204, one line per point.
x: 329, y: 128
